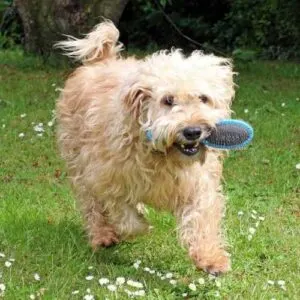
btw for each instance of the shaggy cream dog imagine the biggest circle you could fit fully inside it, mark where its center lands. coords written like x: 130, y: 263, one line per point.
x: 105, y: 111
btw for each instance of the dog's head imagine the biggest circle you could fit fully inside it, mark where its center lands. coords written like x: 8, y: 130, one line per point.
x: 178, y: 100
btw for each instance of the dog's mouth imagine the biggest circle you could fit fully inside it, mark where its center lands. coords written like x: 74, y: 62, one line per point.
x: 188, y: 149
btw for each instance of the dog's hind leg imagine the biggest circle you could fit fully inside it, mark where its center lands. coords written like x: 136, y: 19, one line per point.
x: 100, y: 232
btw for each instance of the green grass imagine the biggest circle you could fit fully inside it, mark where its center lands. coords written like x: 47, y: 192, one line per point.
x: 42, y: 230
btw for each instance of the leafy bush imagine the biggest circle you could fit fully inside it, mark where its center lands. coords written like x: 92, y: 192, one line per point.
x: 144, y: 25
x: 270, y: 28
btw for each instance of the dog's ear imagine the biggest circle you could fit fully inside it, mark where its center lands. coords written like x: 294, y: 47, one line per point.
x: 135, y: 97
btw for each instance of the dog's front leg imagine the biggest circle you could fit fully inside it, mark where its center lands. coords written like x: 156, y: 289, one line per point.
x: 200, y: 230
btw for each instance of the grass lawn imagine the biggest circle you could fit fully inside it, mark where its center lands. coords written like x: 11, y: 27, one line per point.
x: 42, y: 232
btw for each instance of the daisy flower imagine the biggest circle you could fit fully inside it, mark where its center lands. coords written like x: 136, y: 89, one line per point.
x: 192, y: 287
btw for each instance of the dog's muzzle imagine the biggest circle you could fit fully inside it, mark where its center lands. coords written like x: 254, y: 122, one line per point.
x: 188, y: 149
x: 189, y: 141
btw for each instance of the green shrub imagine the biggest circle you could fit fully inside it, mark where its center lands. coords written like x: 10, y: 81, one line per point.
x: 270, y: 28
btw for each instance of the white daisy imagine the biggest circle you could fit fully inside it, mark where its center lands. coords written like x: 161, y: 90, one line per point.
x: 270, y: 282
x: 281, y: 282
x: 140, y: 293
x: 254, y: 211
x: 218, y: 283
x: 88, y: 297
x: 39, y: 128
x: 2, y: 255
x: 50, y: 123
x: 184, y: 294
x: 103, y: 281
x: 90, y: 267
x: 89, y: 277
x: 136, y: 266
x: 261, y: 218
x: 23, y: 116
x: 37, y: 277
x: 120, y: 281
x: 169, y: 275
x: 246, y: 110
x: 240, y: 213
x: 21, y: 135
x: 146, y: 269
x: 298, y: 166
x: 32, y: 297
x: 2, y: 287
x: 201, y: 281
x: 282, y: 104
x: 112, y: 287
x: 252, y: 230
x: 250, y: 237
x: 135, y: 284
x: 75, y: 292
x: 173, y: 282
x: 7, y: 264
x: 192, y: 287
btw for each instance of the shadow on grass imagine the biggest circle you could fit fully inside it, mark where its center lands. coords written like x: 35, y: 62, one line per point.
x: 65, y: 239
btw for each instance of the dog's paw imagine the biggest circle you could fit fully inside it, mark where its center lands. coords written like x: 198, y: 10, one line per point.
x: 105, y: 237
x: 215, y: 265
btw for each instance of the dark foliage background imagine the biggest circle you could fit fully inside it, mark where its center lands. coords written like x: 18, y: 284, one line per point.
x: 262, y: 28
x: 11, y: 32
x: 267, y: 28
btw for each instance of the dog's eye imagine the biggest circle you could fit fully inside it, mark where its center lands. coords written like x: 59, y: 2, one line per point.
x: 168, y: 100
x: 204, y: 99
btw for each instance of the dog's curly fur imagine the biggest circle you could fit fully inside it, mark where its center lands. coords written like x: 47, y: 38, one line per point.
x: 104, y: 112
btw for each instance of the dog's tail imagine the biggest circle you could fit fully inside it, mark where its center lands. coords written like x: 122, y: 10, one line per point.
x: 99, y: 44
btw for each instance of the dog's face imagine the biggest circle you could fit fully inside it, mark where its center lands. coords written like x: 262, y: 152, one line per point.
x: 178, y: 100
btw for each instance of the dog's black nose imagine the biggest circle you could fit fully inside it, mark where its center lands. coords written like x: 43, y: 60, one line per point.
x: 192, y: 133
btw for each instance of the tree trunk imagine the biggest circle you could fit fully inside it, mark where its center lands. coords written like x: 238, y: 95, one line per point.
x: 46, y: 21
